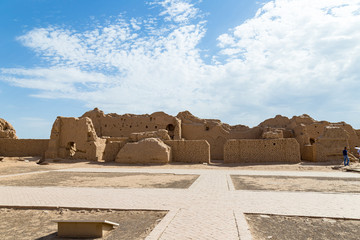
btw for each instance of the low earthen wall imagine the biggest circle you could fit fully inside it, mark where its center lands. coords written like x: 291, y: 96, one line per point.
x: 190, y: 151
x: 308, y: 153
x: 112, y: 148
x: 330, y: 149
x: 261, y: 150
x: 23, y: 147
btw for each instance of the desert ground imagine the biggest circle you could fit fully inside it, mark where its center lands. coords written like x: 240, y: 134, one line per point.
x: 298, y: 184
x: 37, y: 223
x: 294, y: 227
x: 14, y: 165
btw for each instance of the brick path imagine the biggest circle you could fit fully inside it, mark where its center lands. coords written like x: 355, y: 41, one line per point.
x: 209, y: 209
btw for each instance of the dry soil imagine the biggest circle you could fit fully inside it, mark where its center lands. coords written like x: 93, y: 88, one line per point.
x: 30, y: 224
x: 277, y: 227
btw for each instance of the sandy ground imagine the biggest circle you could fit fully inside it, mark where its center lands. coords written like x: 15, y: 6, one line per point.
x: 305, y: 184
x: 98, y: 179
x: 302, y: 228
x: 30, y: 224
x: 13, y: 165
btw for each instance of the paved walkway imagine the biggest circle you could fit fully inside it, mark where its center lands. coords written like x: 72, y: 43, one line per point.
x: 209, y: 209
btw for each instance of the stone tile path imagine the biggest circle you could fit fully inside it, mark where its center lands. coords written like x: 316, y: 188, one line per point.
x: 209, y: 209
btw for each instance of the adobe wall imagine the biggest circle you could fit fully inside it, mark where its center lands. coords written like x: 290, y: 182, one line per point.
x: 352, y: 136
x: 308, y: 153
x: 244, y: 132
x: 211, y: 130
x: 75, y: 138
x: 114, y: 125
x: 23, y: 147
x: 214, y: 132
x: 331, y: 144
x: 189, y: 151
x: 112, y: 148
x: 261, y: 150
x: 307, y: 132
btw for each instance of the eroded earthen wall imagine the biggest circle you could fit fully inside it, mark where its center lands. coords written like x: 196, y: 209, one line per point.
x: 7, y: 130
x: 262, y: 150
x: 75, y: 138
x: 331, y: 144
x: 114, y: 125
x: 308, y: 153
x: 23, y: 147
x: 189, y: 151
x: 309, y: 133
x: 112, y: 148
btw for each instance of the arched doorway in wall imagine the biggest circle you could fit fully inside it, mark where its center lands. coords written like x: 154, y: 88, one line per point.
x: 171, y: 130
x: 71, y: 149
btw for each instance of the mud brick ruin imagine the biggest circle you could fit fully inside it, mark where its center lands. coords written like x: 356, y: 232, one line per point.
x: 161, y: 138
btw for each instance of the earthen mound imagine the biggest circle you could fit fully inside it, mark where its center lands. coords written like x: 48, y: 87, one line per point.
x: 7, y: 130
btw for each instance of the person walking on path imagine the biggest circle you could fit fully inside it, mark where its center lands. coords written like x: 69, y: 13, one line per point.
x: 358, y: 150
x: 346, y: 158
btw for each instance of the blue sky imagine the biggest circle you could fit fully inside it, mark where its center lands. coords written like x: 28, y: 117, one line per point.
x: 239, y: 61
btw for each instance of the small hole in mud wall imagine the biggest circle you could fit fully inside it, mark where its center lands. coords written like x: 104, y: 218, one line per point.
x: 312, y: 141
x: 274, y: 144
x: 155, y: 127
x: 207, y: 128
x: 146, y: 126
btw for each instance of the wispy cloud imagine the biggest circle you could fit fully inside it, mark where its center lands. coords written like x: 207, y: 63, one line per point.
x: 292, y: 57
x: 180, y: 11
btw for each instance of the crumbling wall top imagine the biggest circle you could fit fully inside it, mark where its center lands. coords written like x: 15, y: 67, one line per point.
x: 7, y: 130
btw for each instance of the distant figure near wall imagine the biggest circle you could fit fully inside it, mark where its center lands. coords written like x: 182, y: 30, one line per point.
x: 346, y: 158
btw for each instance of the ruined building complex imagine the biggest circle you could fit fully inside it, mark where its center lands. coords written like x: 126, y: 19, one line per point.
x: 162, y: 138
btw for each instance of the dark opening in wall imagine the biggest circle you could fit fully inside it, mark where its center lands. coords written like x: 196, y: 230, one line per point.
x: 312, y: 141
x: 207, y: 128
x: 146, y: 126
x: 71, y: 148
x: 170, y: 128
x: 274, y: 144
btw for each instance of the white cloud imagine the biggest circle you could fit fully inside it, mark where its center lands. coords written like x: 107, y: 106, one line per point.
x: 180, y: 11
x: 292, y: 57
x: 293, y: 50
